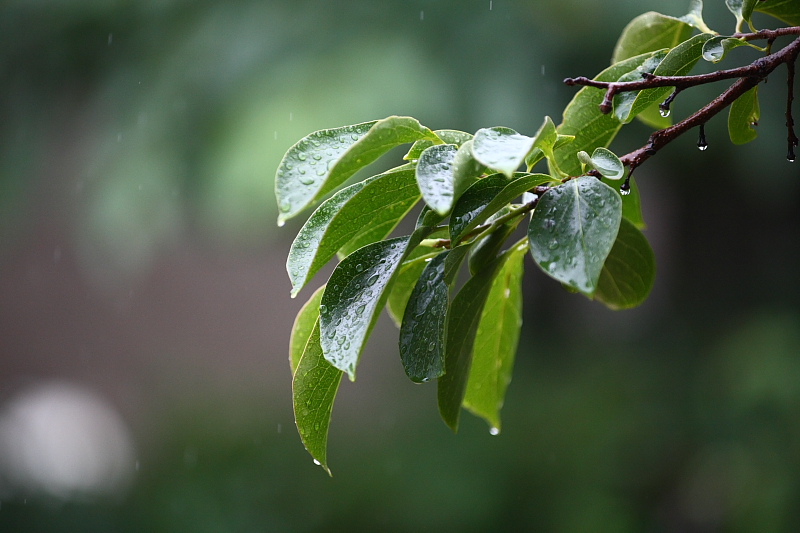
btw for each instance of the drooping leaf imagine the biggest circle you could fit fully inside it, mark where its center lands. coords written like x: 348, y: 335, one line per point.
x: 485, y: 250
x: 715, y: 48
x: 486, y: 197
x: 573, y: 229
x: 462, y: 325
x: 355, y: 216
x: 583, y: 119
x: 304, y: 324
x: 629, y: 271
x: 353, y: 299
x: 649, y: 32
x: 607, y: 163
x: 314, y: 389
x: 787, y: 11
x: 320, y: 162
x: 678, y: 62
x: 743, y: 115
x: 435, y: 177
x: 445, y: 136
x: 422, y: 334
x: 501, y: 149
x: 496, y: 341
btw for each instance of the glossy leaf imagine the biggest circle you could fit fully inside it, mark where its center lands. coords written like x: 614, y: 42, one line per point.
x: 353, y: 299
x: 787, y: 11
x: 304, y: 324
x: 695, y: 17
x: 435, y: 177
x: 583, y: 119
x: 607, y: 163
x: 462, y: 325
x: 627, y: 99
x: 573, y: 229
x: 404, y: 284
x: 486, y: 197
x: 314, y: 389
x: 742, y: 10
x: 501, y: 149
x: 629, y: 271
x: 422, y: 334
x: 355, y: 216
x: 537, y: 154
x: 715, y: 48
x: 466, y: 170
x: 743, y: 115
x: 445, y: 137
x: 323, y: 160
x: 485, y: 250
x: 496, y: 341
x: 649, y: 32
x: 678, y: 62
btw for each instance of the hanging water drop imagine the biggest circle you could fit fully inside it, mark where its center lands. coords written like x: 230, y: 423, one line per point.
x: 625, y: 188
x: 317, y: 463
x: 494, y: 431
x: 663, y: 110
x: 702, y: 145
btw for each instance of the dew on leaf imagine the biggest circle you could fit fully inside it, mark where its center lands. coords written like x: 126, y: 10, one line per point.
x: 285, y: 205
x: 301, y: 156
x: 307, y: 180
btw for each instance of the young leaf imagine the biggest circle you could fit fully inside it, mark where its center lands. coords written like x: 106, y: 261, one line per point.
x: 743, y: 115
x: 715, y: 48
x: 583, y: 119
x: 501, y: 149
x: 787, y: 11
x: 742, y: 10
x: 462, y: 325
x: 445, y: 136
x: 355, y: 216
x: 649, y: 32
x: 303, y: 326
x: 537, y: 155
x: 573, y: 229
x: 323, y: 160
x: 435, y: 177
x: 608, y: 164
x: 695, y: 17
x: 486, y: 197
x: 496, y: 341
x: 629, y: 271
x: 353, y: 299
x: 314, y: 389
x: 422, y: 333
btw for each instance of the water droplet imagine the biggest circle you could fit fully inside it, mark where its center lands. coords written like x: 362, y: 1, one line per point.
x: 507, y: 293
x: 289, y: 166
x: 664, y: 112
x: 317, y: 157
x: 360, y: 310
x: 321, y: 172
x: 346, y: 345
x: 702, y: 145
x: 359, y: 267
x: 549, y: 224
x: 305, y: 412
x: 341, y: 340
x: 301, y: 156
x: 302, y: 171
x: 494, y: 431
x: 316, y: 143
x: 285, y: 205
x: 307, y: 180
x: 317, y: 463
x: 431, y: 346
x: 553, y: 244
x: 323, y: 310
x: 354, y: 137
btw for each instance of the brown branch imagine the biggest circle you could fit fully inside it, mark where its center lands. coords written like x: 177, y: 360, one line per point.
x: 789, y: 120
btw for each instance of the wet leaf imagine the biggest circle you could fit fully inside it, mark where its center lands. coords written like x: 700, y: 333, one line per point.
x: 496, y: 340
x: 583, y: 119
x: 787, y: 11
x: 323, y: 160
x: 649, y: 32
x: 695, y: 17
x: 314, y: 389
x: 404, y: 283
x: 743, y: 115
x: 486, y: 249
x: 501, y: 149
x: 608, y: 164
x: 742, y: 10
x: 629, y: 271
x: 355, y: 216
x: 462, y: 325
x: 445, y: 136
x: 486, y: 197
x: 303, y: 325
x: 717, y: 47
x: 573, y: 229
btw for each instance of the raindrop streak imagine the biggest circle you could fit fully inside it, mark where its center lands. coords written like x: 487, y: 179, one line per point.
x: 421, y: 15
x: 490, y: 5
x: 701, y: 141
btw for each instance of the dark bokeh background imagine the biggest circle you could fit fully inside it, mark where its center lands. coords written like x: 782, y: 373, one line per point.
x: 145, y: 310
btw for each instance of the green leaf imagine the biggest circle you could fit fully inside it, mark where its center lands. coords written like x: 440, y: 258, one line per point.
x: 678, y: 62
x: 486, y: 249
x: 573, y: 229
x: 466, y: 170
x: 314, y: 389
x: 323, y: 160
x: 743, y: 115
x: 649, y: 32
x: 501, y: 149
x: 353, y: 299
x: 715, y: 48
x: 486, y: 197
x: 422, y: 334
x: 445, y: 137
x: 632, y: 205
x: 787, y: 11
x: 653, y: 118
x: 404, y: 283
x: 742, y: 10
x: 304, y: 323
x: 462, y: 325
x: 355, y: 216
x: 435, y: 177
x: 496, y: 341
x: 695, y: 17
x: 608, y: 164
x: 583, y: 119
x: 629, y: 271
x: 625, y: 101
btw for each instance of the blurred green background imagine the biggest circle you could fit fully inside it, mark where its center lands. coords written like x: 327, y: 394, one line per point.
x: 145, y: 310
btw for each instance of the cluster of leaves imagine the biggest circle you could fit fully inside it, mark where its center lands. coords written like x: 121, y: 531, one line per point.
x: 582, y: 232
